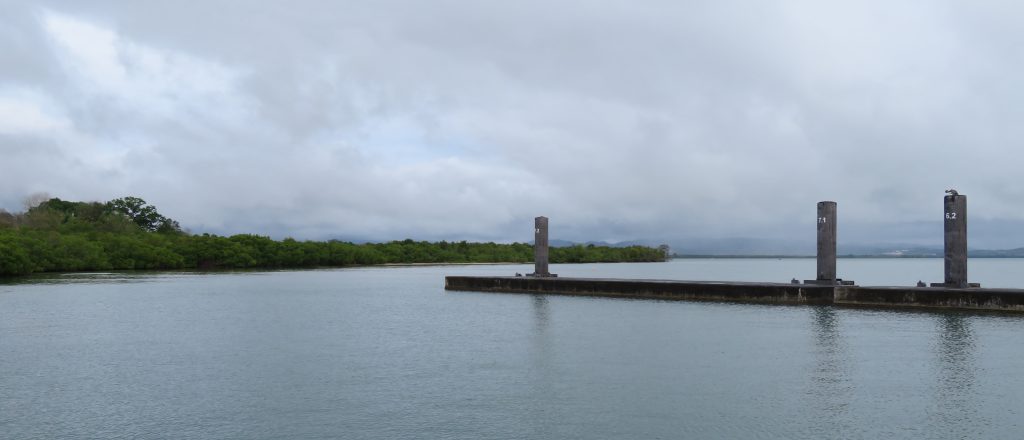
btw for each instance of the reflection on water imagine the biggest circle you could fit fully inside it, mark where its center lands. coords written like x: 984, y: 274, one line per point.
x: 83, y: 278
x: 954, y: 402
x: 541, y: 313
x: 830, y: 386
x: 121, y: 277
x: 544, y: 383
x: 88, y: 278
x: 539, y: 337
x: 541, y: 351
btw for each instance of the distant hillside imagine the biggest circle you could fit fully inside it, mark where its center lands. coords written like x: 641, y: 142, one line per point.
x: 1005, y: 253
x: 750, y: 247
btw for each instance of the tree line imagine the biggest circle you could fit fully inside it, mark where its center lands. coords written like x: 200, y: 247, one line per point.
x: 127, y: 233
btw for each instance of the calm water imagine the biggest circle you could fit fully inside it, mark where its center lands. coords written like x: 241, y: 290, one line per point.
x: 387, y: 353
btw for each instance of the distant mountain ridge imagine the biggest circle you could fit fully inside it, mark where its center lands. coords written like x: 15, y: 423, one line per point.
x: 746, y: 247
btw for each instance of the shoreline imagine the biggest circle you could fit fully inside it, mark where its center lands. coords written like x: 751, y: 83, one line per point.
x: 48, y: 275
x: 285, y: 269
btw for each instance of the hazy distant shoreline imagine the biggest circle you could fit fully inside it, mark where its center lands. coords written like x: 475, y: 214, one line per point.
x: 971, y: 255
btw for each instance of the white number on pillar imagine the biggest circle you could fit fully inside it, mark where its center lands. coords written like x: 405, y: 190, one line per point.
x: 822, y: 220
x: 536, y: 231
x: 950, y: 216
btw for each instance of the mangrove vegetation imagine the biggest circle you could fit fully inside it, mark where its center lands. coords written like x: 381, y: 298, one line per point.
x: 127, y: 233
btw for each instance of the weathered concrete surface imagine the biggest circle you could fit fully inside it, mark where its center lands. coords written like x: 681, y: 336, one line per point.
x: 540, y: 247
x: 932, y: 297
x: 772, y: 293
x: 827, y: 242
x: 954, y: 207
x: 648, y: 289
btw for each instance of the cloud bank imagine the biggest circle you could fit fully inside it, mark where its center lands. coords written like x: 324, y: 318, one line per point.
x: 464, y: 120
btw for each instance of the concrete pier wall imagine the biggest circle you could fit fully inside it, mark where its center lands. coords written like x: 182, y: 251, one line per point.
x: 770, y: 293
x: 932, y: 297
x: 649, y: 289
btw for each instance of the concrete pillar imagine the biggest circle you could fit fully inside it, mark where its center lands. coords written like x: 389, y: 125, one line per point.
x: 827, y: 242
x: 955, y: 212
x: 540, y: 247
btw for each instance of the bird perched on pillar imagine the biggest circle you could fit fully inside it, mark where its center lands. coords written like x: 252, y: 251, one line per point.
x: 952, y: 192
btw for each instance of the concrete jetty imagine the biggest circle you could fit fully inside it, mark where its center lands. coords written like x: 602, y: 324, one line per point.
x: 826, y: 288
x: 787, y: 293
x: 748, y: 292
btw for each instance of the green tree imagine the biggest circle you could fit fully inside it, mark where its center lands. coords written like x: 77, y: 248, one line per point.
x: 14, y: 260
x: 143, y: 214
x: 7, y: 220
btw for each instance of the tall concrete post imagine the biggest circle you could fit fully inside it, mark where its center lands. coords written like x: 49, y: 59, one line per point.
x: 540, y: 247
x: 954, y: 208
x: 827, y: 242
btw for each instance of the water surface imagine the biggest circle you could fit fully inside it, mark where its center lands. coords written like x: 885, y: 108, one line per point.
x: 387, y: 353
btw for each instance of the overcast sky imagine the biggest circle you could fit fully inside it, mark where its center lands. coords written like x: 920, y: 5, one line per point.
x: 619, y: 120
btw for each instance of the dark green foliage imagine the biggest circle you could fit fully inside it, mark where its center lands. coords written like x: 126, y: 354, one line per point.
x: 127, y: 233
x: 604, y: 254
x: 14, y: 259
x: 7, y: 220
x: 142, y: 214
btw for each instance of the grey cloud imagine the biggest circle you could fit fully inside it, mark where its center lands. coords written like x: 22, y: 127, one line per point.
x: 452, y: 119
